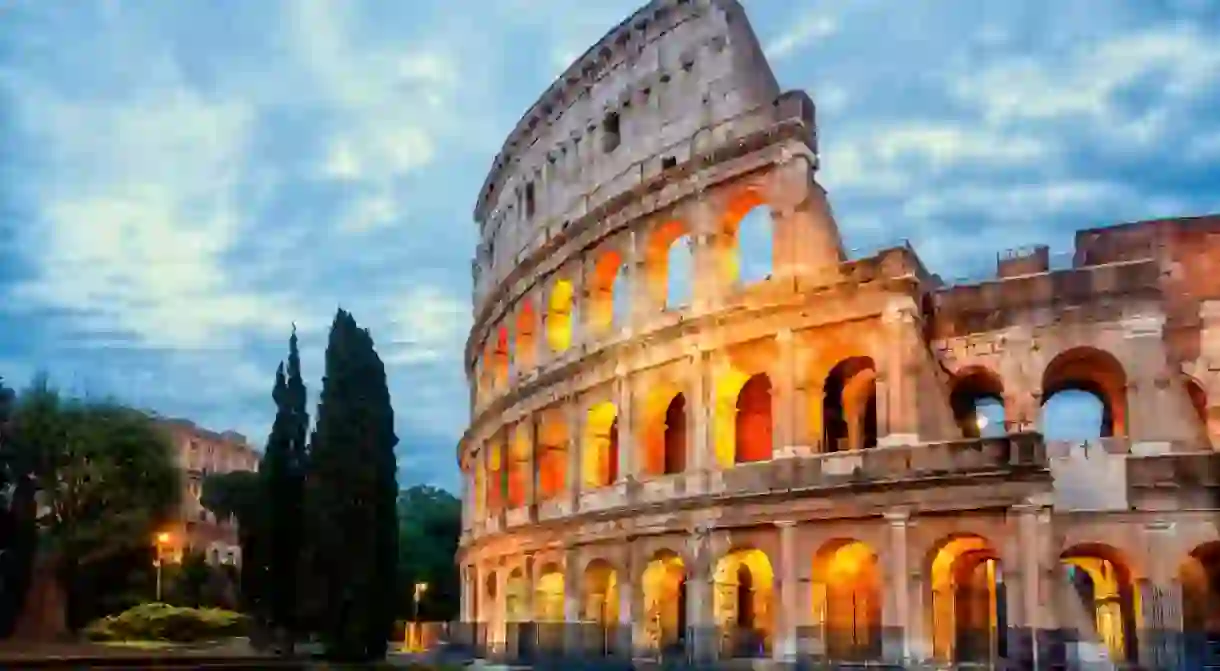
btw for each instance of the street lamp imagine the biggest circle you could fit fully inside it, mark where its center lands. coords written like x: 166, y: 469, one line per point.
x: 414, y: 634
x: 163, y: 540
x: 420, y: 588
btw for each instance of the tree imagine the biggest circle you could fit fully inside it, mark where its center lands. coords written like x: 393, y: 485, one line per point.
x: 282, y: 472
x: 351, y: 491
x: 18, y: 531
x: 106, y: 481
x: 430, y: 524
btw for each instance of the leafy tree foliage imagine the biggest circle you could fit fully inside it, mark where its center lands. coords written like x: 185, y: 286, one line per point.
x: 429, y: 522
x: 105, y: 478
x: 351, y: 493
x: 18, y: 533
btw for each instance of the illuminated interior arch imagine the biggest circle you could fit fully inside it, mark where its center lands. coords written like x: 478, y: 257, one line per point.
x: 516, y: 597
x: 519, y: 465
x: 499, y: 358
x: 742, y: 602
x: 745, y: 250
x: 600, y: 454
x: 667, y: 265
x: 663, y: 583
x: 752, y: 430
x: 496, y: 479
x: 1200, y: 578
x: 967, y: 603
x: 849, y: 405
x: 1105, y: 587
x: 559, y: 316
x: 601, y: 598
x: 551, y: 454
x: 741, y: 437
x: 526, y: 345
x: 846, y: 600
x: 977, y: 400
x: 1075, y: 373
x: 548, y: 594
x: 663, y: 431
x: 602, y: 287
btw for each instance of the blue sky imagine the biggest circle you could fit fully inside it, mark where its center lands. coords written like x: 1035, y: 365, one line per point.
x: 180, y: 181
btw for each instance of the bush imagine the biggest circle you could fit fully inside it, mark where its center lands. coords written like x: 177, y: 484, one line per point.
x: 162, y: 622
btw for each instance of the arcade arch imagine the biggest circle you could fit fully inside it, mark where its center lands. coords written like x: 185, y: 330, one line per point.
x: 499, y: 358
x: 746, y: 254
x: 552, y: 454
x: 601, y: 596
x: 663, y: 583
x: 548, y: 594
x: 742, y: 601
x: 516, y: 596
x: 1102, y: 580
x: 496, y: 473
x: 663, y: 431
x: 603, y: 287
x: 560, y: 306
x: 601, y: 444
x: 967, y: 602
x: 519, y: 475
x: 849, y: 405
x: 526, y: 345
x: 1070, y: 378
x: 977, y: 400
x: 1200, y: 578
x: 846, y: 599
x: 668, y: 264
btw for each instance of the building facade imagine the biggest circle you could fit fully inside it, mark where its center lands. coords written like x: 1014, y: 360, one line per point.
x: 798, y: 462
x: 201, y: 452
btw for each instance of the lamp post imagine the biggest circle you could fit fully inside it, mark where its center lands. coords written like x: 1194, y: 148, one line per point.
x: 415, y: 640
x: 163, y: 540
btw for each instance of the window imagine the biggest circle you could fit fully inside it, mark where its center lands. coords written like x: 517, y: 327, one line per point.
x: 668, y: 162
x: 610, y: 132
x: 529, y: 200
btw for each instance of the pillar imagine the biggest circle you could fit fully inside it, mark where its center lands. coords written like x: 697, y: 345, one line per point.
x: 626, y: 427
x: 897, y: 377
x: 580, y: 300
x: 707, y: 285
x: 514, y: 363
x: 784, y: 399
x: 630, y: 600
x: 803, y: 222
x: 531, y: 463
x: 786, y: 623
x: 576, y: 422
x: 633, y: 270
x: 542, y: 351
x: 1032, y: 644
x: 701, y: 636
x: 572, y: 583
x: 699, y: 452
x: 642, y: 303
x: 1159, y: 643
x: 900, y: 627
x: 1159, y: 412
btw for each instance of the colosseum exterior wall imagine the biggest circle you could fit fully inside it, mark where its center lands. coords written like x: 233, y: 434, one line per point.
x: 802, y: 456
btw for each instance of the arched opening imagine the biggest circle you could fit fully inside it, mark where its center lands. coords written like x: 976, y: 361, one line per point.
x: 551, y: 454
x: 603, y: 284
x: 519, y: 466
x: 675, y: 435
x: 483, y: 612
x: 748, y: 256
x: 527, y: 343
x: 600, y: 454
x: 1105, y: 589
x: 559, y: 316
x: 600, y: 604
x: 516, y: 597
x: 753, y: 421
x: 968, y: 601
x: 496, y: 479
x: 849, y: 405
x: 846, y: 600
x: 977, y: 400
x: 1084, y: 396
x: 1200, y: 578
x: 669, y: 265
x: 742, y: 603
x: 499, y: 358
x: 480, y: 486
x: 664, y: 585
x: 548, y: 607
x: 1198, y: 403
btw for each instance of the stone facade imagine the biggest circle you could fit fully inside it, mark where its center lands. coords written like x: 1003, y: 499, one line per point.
x: 800, y: 457
x: 201, y: 452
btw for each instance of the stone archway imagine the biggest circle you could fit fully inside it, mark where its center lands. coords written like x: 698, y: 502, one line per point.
x: 849, y: 405
x: 600, y: 454
x: 967, y: 601
x: 600, y: 601
x: 1080, y: 373
x: 753, y: 421
x: 846, y: 600
x: 663, y: 583
x: 549, y: 606
x: 1100, y: 579
x: 742, y: 605
x: 977, y: 400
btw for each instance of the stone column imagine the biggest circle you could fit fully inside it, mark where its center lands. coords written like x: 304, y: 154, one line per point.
x: 626, y: 426
x: 804, y: 219
x: 498, y: 620
x: 707, y: 286
x: 514, y: 362
x: 1159, y: 412
x: 1159, y: 644
x: 701, y: 636
x: 785, y: 646
x: 899, y: 379
x: 572, y: 583
x: 576, y: 426
x: 700, y: 457
x: 1041, y: 596
x: 630, y: 600
x: 527, y: 627
x: 580, y: 300
x: 542, y: 351
x: 623, y: 320
x: 531, y: 464
x: 643, y: 303
x: 784, y: 399
x: 901, y: 627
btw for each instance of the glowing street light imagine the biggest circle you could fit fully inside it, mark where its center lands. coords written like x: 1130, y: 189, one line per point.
x: 981, y: 421
x: 163, y: 540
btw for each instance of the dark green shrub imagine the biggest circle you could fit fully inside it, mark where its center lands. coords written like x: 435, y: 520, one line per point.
x: 162, y: 622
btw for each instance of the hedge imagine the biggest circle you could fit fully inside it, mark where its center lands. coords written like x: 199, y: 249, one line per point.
x: 162, y: 622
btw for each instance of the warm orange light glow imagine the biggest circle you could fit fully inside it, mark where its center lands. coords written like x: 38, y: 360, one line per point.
x: 559, y: 316
x: 163, y: 538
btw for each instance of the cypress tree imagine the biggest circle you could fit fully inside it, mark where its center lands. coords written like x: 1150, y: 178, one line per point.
x: 282, y: 474
x: 352, y: 489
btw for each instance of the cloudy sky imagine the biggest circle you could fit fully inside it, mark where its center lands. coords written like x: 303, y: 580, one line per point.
x: 180, y: 181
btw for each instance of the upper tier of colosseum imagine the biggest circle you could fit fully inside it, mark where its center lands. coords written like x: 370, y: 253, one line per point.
x: 669, y: 83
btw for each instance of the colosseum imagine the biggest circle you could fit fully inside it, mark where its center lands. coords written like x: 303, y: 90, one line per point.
x: 796, y: 463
